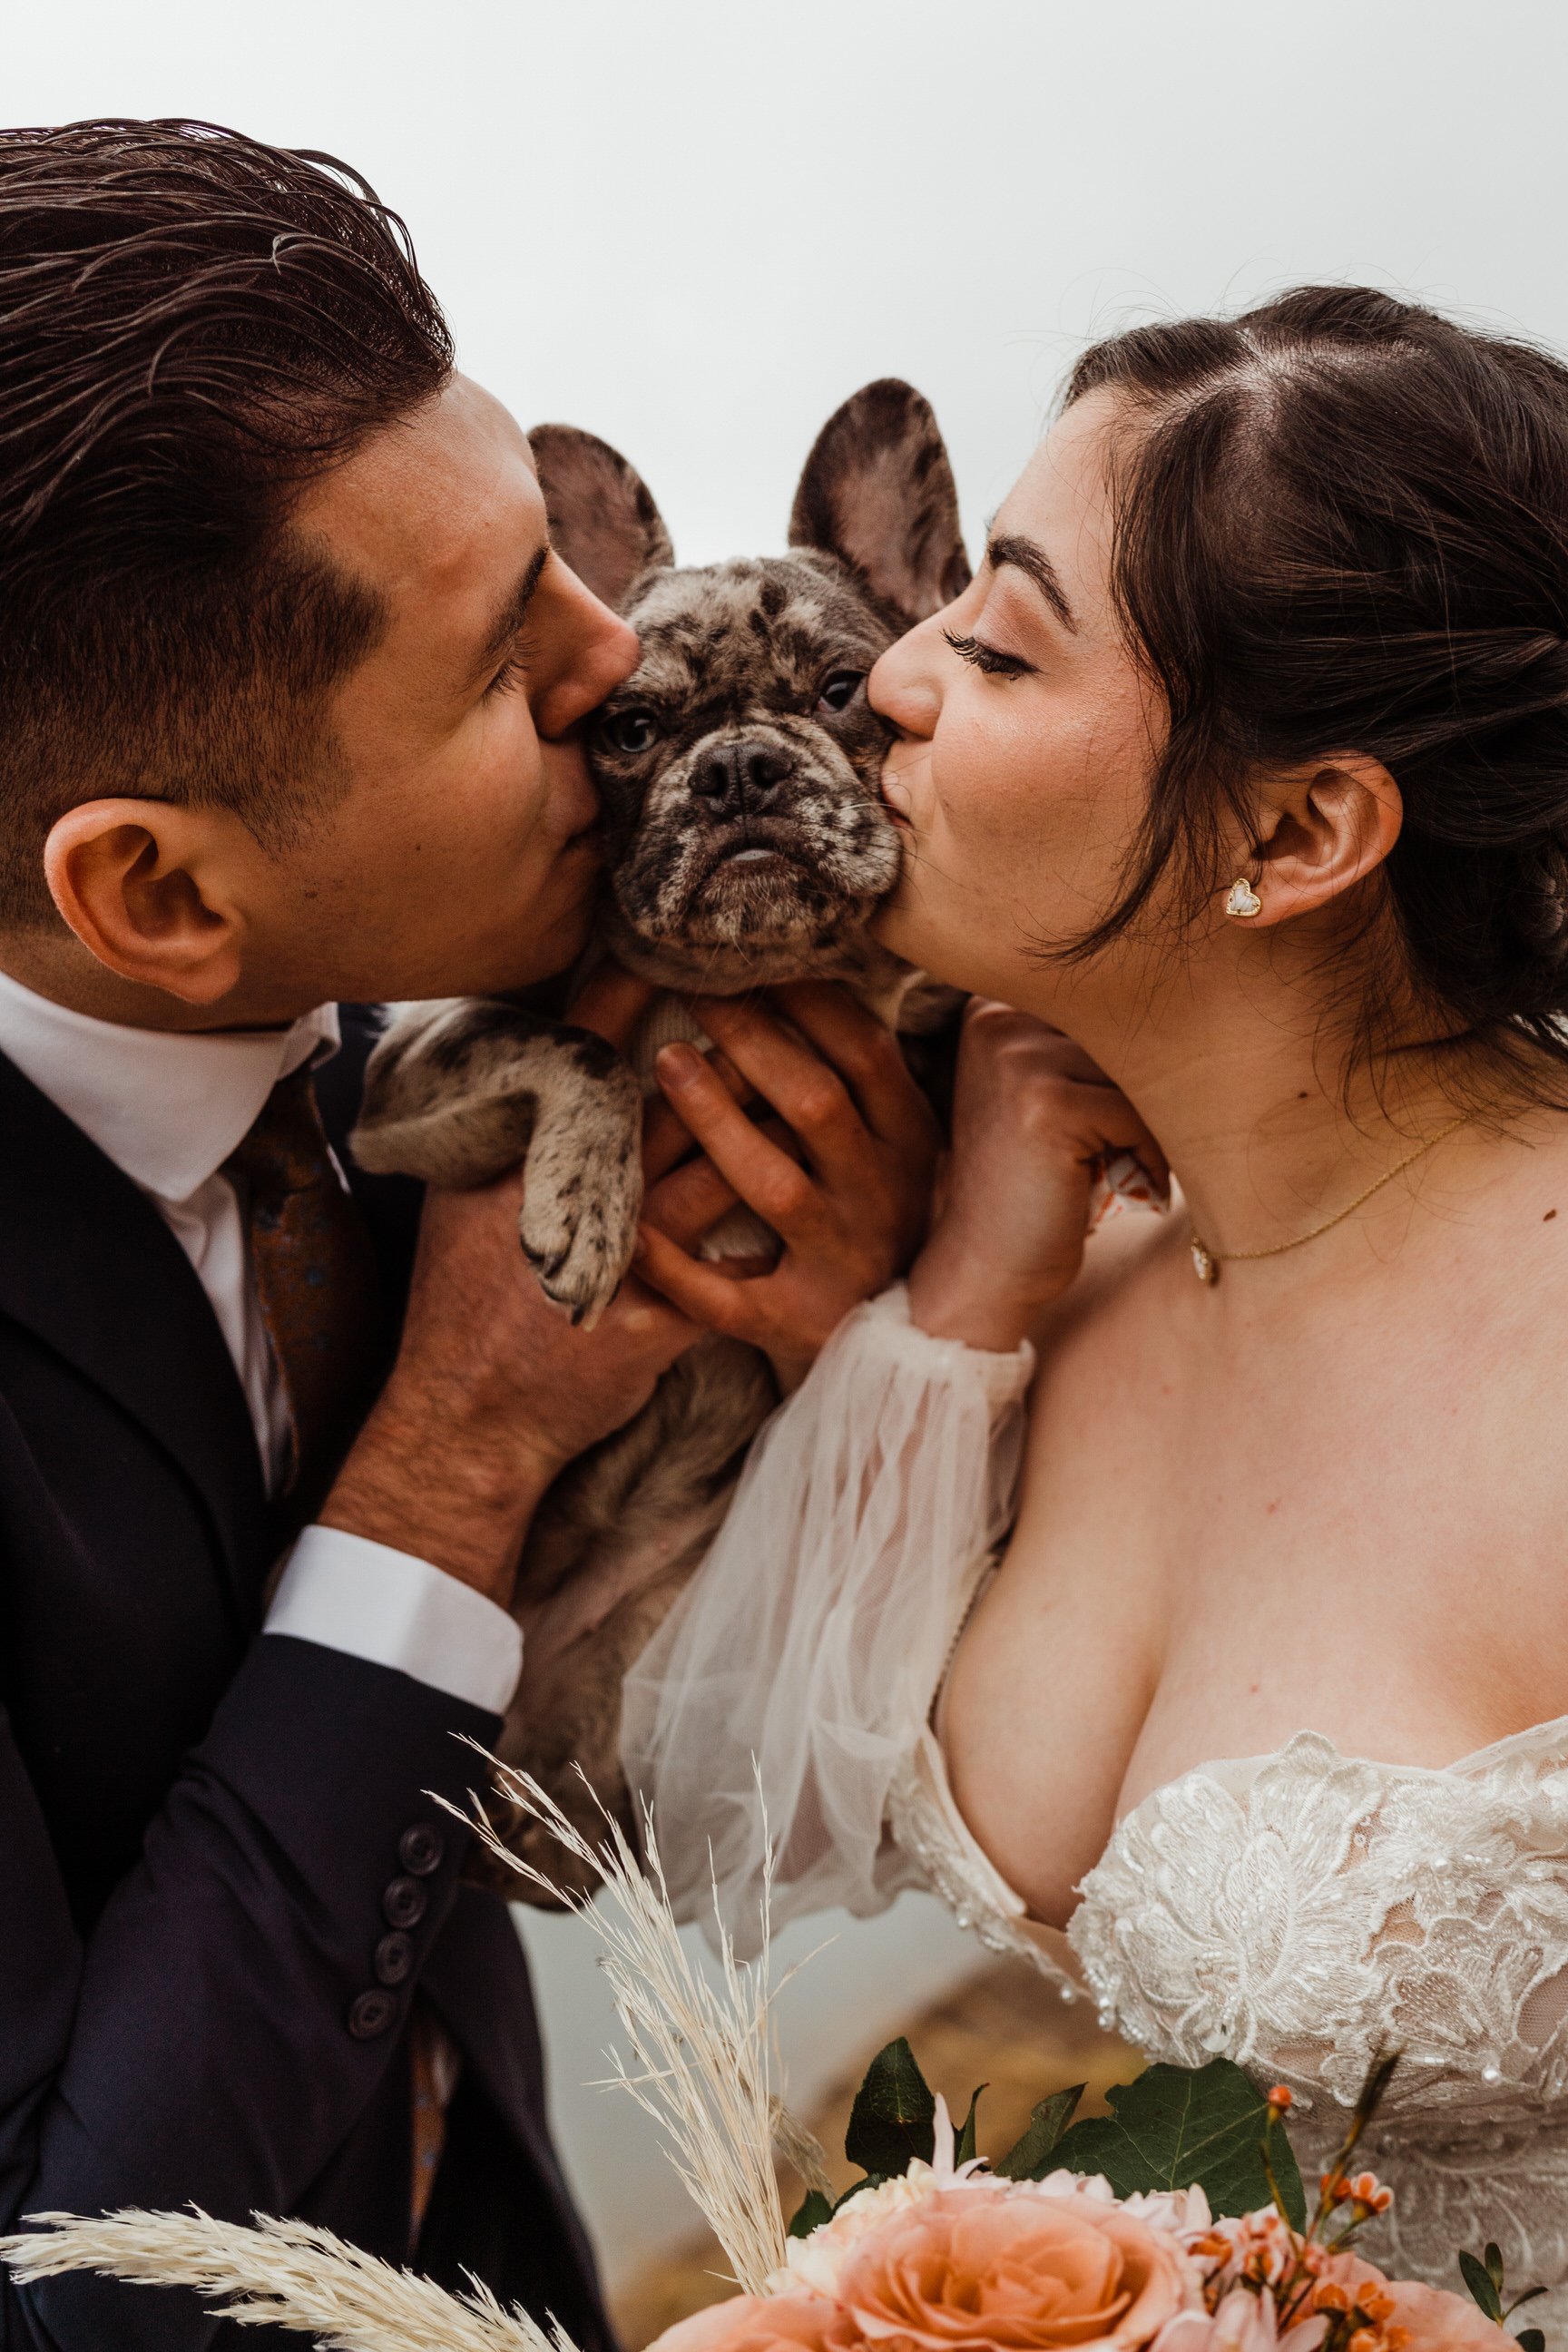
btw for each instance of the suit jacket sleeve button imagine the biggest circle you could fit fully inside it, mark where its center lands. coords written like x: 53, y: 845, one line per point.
x: 394, y: 1957
x: 404, y: 1902
x: 421, y: 1848
x: 370, y: 2014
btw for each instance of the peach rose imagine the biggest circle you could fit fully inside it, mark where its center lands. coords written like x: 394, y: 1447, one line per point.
x: 756, y: 2322
x: 1183, y: 2210
x: 816, y: 2263
x: 1244, y: 2322
x: 1440, y: 2321
x: 1434, y: 2319
x: 993, y: 2266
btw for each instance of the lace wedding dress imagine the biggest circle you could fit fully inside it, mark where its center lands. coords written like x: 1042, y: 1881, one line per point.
x: 1298, y: 1913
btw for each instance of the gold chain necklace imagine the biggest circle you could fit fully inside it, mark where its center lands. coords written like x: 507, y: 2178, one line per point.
x: 1207, y: 1262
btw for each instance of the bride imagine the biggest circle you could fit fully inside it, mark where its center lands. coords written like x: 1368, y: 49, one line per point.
x: 1188, y: 1605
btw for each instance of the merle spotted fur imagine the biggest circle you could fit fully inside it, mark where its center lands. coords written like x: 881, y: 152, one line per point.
x: 746, y: 844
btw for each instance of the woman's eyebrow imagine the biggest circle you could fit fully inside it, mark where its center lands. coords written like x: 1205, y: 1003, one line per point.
x: 1028, y: 557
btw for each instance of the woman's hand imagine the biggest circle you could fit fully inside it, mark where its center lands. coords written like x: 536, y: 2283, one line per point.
x: 845, y: 1181
x: 1034, y: 1122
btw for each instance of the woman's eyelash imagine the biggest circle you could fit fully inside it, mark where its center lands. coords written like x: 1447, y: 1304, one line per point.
x: 989, y: 659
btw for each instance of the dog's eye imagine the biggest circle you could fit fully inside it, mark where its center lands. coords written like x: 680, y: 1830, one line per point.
x: 840, y: 689
x: 629, y: 730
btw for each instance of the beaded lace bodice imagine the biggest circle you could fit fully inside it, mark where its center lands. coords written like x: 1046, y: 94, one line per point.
x: 1300, y: 1913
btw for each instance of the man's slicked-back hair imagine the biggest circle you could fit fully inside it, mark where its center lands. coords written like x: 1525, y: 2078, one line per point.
x: 193, y: 326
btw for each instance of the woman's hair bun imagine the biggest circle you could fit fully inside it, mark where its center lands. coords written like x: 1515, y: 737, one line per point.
x: 1542, y: 911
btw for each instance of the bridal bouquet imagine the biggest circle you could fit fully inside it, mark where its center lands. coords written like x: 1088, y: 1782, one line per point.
x: 1177, y: 2223
x: 1035, y: 2251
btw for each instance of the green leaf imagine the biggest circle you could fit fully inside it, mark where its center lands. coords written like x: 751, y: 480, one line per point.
x: 1035, y: 2154
x: 1530, y: 2340
x: 1477, y: 2277
x: 1177, y: 2127
x: 892, y: 2121
x: 1492, y: 2258
x: 963, y: 2148
x: 810, y: 2214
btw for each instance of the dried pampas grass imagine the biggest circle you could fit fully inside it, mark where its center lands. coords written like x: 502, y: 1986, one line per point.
x: 703, y: 2057
x: 279, y: 2274
x: 702, y: 2067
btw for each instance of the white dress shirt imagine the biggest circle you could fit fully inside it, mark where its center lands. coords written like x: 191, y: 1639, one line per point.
x: 168, y: 1109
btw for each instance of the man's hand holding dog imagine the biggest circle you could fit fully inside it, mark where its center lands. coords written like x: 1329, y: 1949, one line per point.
x: 493, y: 1393
x: 493, y: 1386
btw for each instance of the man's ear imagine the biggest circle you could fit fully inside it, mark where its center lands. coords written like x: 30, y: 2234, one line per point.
x: 135, y: 880
x: 878, y: 492
x: 602, y: 519
x: 1329, y: 824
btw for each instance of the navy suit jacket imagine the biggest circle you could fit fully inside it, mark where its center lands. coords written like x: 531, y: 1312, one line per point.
x: 204, y: 1835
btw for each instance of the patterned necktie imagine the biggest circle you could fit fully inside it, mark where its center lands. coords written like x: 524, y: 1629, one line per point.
x: 315, y: 1280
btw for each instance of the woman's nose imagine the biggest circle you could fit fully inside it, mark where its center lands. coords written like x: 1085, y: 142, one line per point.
x: 904, y: 685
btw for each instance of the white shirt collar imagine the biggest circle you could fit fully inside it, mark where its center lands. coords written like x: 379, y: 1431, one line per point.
x: 166, y: 1107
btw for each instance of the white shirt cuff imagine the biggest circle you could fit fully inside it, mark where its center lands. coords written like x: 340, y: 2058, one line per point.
x: 392, y: 1609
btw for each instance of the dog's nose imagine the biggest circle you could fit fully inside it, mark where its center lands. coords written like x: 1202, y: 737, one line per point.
x: 739, y: 776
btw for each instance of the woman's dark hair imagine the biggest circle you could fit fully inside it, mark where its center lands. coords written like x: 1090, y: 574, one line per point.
x: 1341, y: 525
x: 191, y: 325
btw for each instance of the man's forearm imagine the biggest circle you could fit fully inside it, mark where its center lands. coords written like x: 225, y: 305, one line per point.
x: 494, y: 1390
x: 427, y: 1482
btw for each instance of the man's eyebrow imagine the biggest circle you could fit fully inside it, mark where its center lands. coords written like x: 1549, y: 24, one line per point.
x: 509, y: 619
x: 1027, y: 556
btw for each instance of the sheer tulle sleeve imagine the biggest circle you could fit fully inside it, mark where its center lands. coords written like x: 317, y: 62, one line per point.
x: 815, y: 1636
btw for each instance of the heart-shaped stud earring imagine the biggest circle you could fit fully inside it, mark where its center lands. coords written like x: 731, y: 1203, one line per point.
x: 1244, y: 899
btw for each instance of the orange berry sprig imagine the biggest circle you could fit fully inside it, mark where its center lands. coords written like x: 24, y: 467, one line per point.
x: 1365, y: 2194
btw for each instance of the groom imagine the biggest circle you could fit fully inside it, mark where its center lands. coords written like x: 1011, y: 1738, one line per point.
x: 288, y: 680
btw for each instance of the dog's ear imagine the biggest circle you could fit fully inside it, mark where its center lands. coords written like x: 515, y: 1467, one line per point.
x: 603, y: 520
x: 878, y: 490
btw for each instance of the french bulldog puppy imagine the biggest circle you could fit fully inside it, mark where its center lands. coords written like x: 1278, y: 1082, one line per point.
x: 746, y: 844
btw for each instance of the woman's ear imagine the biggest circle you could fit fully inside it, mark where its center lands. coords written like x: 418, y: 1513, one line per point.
x: 140, y: 883
x: 1323, y: 827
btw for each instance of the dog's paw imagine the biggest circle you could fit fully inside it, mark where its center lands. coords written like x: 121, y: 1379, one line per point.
x: 579, y: 1249
x: 583, y: 1195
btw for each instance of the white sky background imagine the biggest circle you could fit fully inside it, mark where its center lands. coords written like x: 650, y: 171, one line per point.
x: 696, y: 225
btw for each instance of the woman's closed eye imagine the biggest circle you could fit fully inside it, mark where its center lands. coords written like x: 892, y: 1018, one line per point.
x: 989, y: 659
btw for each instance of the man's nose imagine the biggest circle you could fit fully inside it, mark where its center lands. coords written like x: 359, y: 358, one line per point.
x: 740, y: 779
x: 586, y: 651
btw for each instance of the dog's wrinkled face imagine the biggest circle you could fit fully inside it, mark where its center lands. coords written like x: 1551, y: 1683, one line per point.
x: 747, y: 840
